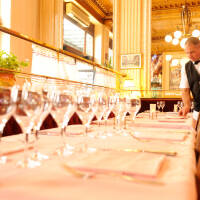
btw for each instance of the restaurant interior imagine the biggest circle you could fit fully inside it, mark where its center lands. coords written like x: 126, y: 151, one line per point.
x: 90, y: 100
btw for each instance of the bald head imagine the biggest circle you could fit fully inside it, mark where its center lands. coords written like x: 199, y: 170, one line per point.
x: 192, y: 48
x: 193, y: 41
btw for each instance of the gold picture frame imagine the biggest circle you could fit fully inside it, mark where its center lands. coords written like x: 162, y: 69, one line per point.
x: 174, y: 77
x: 171, y: 73
x: 130, y: 61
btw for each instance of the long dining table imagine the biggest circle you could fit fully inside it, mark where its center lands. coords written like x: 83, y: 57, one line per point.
x: 149, y: 158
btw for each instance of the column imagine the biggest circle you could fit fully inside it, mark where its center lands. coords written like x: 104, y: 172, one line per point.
x: 25, y: 20
x: 132, y: 35
x: 51, y: 19
x: 101, y: 43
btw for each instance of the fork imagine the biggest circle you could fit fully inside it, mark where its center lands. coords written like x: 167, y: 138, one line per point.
x: 138, y: 180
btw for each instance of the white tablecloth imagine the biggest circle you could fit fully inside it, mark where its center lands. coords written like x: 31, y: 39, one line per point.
x: 51, y: 181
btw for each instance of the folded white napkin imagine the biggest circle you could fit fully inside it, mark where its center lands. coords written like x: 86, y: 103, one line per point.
x: 144, y: 165
x: 171, y: 136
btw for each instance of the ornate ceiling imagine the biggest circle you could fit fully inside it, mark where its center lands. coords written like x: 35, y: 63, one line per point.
x: 166, y: 18
x: 173, y: 4
x: 102, y: 9
x: 105, y: 5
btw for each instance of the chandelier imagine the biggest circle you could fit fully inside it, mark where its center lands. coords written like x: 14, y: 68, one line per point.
x: 180, y: 37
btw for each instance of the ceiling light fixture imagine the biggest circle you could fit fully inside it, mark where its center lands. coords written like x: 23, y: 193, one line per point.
x: 180, y: 36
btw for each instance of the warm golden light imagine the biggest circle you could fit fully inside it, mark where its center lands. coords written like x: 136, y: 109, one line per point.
x: 5, y: 10
x: 174, y: 62
x: 182, y: 43
x: 177, y: 34
x: 168, y: 38
x: 129, y: 84
x: 175, y: 41
x: 168, y: 57
x: 184, y: 29
x: 196, y: 33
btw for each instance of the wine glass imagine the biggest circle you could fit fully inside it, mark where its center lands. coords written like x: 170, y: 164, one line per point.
x: 63, y: 107
x: 179, y: 105
x: 128, y: 106
x: 124, y: 110
x: 101, y: 105
x: 119, y: 111
x: 86, y: 105
x: 158, y: 103
x: 182, y: 104
x: 28, y: 105
x: 135, y: 107
x: 8, y: 97
x: 43, y: 112
x: 162, y: 105
x: 111, y: 101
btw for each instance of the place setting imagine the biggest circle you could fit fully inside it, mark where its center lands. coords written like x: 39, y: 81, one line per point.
x: 143, y: 168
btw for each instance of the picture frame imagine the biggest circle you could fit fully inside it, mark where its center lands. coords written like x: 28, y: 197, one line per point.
x: 174, y: 77
x: 171, y: 73
x: 130, y: 61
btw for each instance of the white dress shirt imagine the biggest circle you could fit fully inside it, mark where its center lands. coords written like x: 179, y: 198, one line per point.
x: 184, y: 81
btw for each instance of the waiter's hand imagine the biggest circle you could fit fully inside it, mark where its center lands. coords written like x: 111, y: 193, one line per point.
x: 184, y: 111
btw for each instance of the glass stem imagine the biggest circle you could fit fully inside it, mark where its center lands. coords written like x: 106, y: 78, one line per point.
x: 26, y: 148
x: 86, y: 130
x: 36, y: 143
x: 114, y: 124
x: 2, y: 157
x: 124, y: 121
x: 99, y: 123
x: 1, y: 134
x: 105, y: 126
x: 62, y: 133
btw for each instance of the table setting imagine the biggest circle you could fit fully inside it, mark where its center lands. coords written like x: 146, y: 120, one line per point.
x: 128, y: 156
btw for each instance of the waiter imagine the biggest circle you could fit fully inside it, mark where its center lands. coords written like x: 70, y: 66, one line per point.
x: 190, y: 80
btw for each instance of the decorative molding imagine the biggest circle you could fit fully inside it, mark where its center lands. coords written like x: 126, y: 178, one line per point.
x: 165, y: 16
x: 102, y: 10
x: 172, y: 4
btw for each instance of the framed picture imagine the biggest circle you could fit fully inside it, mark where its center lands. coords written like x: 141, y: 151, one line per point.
x: 130, y: 61
x: 174, y: 77
x: 171, y: 73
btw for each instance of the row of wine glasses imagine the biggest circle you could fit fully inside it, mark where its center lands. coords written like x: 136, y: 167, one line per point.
x: 23, y: 103
x: 160, y: 105
x: 179, y: 105
x: 8, y: 98
x: 30, y: 105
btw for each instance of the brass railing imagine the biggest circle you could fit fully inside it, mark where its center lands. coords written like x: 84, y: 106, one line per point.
x: 43, y: 44
x: 156, y: 94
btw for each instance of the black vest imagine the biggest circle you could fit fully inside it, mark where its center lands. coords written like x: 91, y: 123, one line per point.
x: 194, y: 82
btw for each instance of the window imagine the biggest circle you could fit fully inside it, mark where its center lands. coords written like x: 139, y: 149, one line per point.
x: 73, y: 36
x: 77, y: 39
x: 110, y: 53
x: 89, y: 44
